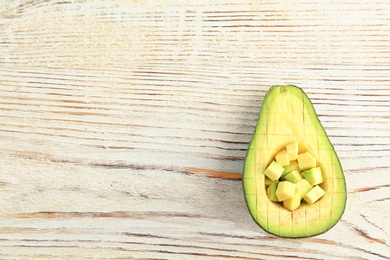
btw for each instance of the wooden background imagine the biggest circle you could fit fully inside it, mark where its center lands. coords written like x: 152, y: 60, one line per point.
x: 124, y: 124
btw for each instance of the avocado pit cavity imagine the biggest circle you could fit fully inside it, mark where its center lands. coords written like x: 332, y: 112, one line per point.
x: 292, y: 182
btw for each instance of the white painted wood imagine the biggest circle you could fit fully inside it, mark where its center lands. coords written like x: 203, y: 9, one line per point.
x: 124, y: 124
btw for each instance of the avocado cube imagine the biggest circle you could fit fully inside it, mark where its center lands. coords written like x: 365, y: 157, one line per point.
x: 314, y: 176
x: 306, y: 161
x: 274, y: 171
x: 271, y: 191
x: 285, y: 190
x: 303, y: 186
x: 292, y: 166
x: 314, y: 194
x: 293, y: 177
x: 292, y: 151
x: 267, y: 181
x: 294, y: 202
x: 282, y: 158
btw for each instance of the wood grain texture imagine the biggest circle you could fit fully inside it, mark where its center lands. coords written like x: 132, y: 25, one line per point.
x: 124, y: 124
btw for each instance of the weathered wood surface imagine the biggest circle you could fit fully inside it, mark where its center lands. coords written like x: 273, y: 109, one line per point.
x: 124, y: 124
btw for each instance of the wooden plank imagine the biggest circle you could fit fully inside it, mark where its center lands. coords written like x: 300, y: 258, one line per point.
x: 124, y: 124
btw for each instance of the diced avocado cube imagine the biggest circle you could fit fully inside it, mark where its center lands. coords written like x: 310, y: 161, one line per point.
x: 293, y: 177
x: 294, y: 202
x: 292, y: 151
x: 314, y: 194
x: 293, y: 166
x: 267, y: 181
x: 271, y: 191
x: 274, y: 171
x: 314, y: 176
x: 285, y: 190
x: 282, y: 158
x: 303, y: 186
x: 306, y: 161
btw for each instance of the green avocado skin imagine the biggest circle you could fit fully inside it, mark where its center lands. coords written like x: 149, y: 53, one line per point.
x: 287, y: 115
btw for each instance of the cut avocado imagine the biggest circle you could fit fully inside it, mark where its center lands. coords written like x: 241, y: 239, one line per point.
x: 287, y: 117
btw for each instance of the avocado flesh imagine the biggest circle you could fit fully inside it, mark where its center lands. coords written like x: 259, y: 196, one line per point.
x: 287, y: 115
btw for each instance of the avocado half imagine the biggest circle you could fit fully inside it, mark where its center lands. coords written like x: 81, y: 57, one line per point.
x: 287, y: 115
